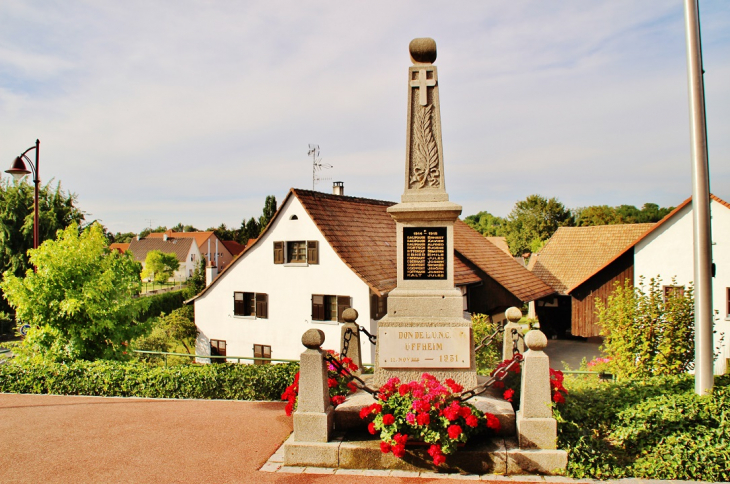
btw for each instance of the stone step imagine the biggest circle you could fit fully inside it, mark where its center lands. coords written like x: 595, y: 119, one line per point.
x: 357, y: 450
x: 347, y: 414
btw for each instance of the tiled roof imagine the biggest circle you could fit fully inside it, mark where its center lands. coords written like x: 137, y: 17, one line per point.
x: 180, y: 247
x: 200, y: 237
x: 500, y: 243
x: 119, y: 247
x: 498, y: 265
x: 574, y: 254
x: 363, y: 234
x: 372, y: 255
x: 233, y: 247
x: 646, y: 234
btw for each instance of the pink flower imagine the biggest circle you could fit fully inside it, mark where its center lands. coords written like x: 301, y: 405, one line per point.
x: 454, y: 431
x: 388, y: 419
x: 410, y: 418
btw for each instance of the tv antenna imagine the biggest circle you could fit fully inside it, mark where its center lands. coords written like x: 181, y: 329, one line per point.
x: 317, y: 164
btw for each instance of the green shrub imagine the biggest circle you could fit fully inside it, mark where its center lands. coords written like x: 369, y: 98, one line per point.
x: 657, y: 428
x: 135, y: 379
x: 153, y: 306
x: 491, y: 354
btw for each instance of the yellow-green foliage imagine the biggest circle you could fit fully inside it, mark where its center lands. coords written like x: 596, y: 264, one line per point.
x: 489, y: 356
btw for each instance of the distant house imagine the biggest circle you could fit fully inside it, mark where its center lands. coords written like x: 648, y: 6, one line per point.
x: 119, y: 247
x: 210, y: 246
x: 665, y: 249
x: 233, y: 247
x: 323, y: 253
x: 500, y: 243
x: 186, y: 251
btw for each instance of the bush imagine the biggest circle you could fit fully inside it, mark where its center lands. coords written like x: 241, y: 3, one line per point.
x: 153, y: 306
x: 657, y: 428
x: 490, y: 355
x: 133, y: 379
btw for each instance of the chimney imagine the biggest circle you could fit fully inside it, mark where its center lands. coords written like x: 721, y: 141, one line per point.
x: 138, y: 238
x: 211, y: 272
x: 338, y: 188
x: 164, y: 237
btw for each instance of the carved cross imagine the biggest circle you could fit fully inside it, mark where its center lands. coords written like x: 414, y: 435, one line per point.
x: 422, y: 83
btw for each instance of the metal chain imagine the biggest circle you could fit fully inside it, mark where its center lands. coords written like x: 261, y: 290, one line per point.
x: 516, y: 336
x: 346, y: 372
x: 499, y: 375
x: 487, y: 339
x: 371, y: 337
x: 346, y: 341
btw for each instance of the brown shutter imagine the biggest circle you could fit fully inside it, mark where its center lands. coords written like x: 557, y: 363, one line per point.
x: 239, y: 308
x: 257, y: 353
x: 278, y: 252
x: 317, y: 308
x: 343, y: 302
x: 313, y: 252
x: 266, y: 354
x: 373, y: 306
x: 262, y: 306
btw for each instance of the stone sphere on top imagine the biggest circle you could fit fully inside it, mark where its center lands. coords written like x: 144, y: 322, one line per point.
x: 423, y: 50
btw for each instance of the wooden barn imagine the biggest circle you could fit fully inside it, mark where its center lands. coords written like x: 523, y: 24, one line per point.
x: 582, y: 264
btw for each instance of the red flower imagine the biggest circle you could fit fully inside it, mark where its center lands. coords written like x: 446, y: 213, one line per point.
x: 365, y: 412
x: 403, y: 389
x: 508, y: 394
x: 452, y: 412
x: 385, y: 447
x: 352, y: 387
x: 498, y: 384
x: 455, y: 387
x: 388, y: 419
x: 454, y: 431
x: 331, y: 382
x: 558, y: 398
x: 434, y: 449
x: 465, y: 412
x: 472, y: 421
x: 400, y: 439
x: 423, y: 419
x: 493, y: 422
x: 337, y: 400
x: 371, y: 428
x: 289, y: 408
x: 399, y: 450
x: 439, y: 459
x: 376, y: 408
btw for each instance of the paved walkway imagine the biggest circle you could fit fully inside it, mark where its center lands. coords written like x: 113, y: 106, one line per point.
x: 58, y: 439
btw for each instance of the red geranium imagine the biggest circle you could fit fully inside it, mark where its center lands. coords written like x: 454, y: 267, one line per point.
x: 388, y: 419
x: 454, y: 431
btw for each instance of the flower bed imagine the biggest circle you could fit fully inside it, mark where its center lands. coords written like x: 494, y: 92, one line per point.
x: 425, y: 411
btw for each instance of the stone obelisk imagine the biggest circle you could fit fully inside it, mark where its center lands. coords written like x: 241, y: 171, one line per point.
x: 425, y: 330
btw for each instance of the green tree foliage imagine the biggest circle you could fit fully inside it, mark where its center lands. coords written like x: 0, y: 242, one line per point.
x: 486, y: 224
x: 533, y: 221
x: 57, y: 210
x: 490, y: 354
x: 121, y: 237
x: 160, y: 229
x: 170, y: 331
x: 79, y: 303
x: 623, y: 214
x: 223, y: 232
x: 184, y: 228
x: 647, y: 332
x: 196, y: 283
x: 249, y: 230
x: 160, y: 266
x: 267, y: 213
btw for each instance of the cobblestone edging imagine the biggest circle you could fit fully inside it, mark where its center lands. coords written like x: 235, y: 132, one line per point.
x: 276, y: 464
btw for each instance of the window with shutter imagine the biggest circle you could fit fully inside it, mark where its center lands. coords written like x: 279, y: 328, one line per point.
x: 296, y: 252
x: 262, y: 306
x: 317, y: 308
x: 312, y: 252
x: 217, y: 348
x: 278, y: 252
x: 261, y: 351
x: 343, y: 302
x: 239, y: 308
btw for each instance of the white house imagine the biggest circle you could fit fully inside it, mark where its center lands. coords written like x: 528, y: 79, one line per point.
x: 186, y: 250
x: 667, y: 251
x: 323, y: 253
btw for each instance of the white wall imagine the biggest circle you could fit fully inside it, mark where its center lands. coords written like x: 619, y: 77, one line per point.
x: 668, y: 252
x: 289, y: 288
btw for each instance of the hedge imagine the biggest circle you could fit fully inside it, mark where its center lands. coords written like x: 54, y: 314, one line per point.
x: 135, y: 379
x: 153, y: 306
x: 656, y: 428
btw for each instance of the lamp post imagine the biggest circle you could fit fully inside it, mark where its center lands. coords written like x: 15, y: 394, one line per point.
x: 19, y: 170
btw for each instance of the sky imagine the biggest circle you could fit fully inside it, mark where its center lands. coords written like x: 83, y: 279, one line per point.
x: 158, y: 113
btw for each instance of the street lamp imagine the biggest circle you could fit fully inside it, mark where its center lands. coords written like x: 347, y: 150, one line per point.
x: 19, y: 170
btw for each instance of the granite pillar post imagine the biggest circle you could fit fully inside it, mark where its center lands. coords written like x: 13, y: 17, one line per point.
x: 351, y: 341
x: 513, y: 315
x: 314, y: 416
x: 536, y: 427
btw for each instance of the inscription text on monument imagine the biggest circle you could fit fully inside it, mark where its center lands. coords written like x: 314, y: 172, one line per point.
x: 424, y: 253
x: 424, y: 347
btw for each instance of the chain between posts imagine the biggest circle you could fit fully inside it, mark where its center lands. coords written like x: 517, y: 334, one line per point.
x: 516, y: 337
x: 371, y: 337
x: 345, y: 372
x: 499, y: 375
x: 346, y: 341
x: 487, y: 339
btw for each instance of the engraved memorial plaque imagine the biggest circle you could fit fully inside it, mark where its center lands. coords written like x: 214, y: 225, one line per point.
x: 424, y: 347
x: 424, y: 253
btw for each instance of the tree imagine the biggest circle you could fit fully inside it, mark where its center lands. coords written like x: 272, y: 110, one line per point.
x: 268, y: 213
x: 223, y: 232
x: 184, y: 228
x: 196, y: 283
x: 160, y: 266
x: 487, y: 224
x: 160, y: 229
x: 79, y: 303
x: 595, y: 215
x: 533, y: 221
x: 249, y: 230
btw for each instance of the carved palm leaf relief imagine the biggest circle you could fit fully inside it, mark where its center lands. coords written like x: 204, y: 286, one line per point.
x: 425, y: 168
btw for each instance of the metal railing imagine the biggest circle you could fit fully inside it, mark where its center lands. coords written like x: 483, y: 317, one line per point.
x: 602, y: 375
x: 216, y: 357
